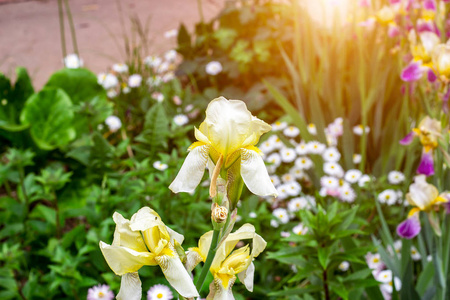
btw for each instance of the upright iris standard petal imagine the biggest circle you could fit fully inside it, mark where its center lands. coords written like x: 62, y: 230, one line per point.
x: 191, y: 172
x: 228, y: 131
x: 254, y: 174
x: 409, y: 228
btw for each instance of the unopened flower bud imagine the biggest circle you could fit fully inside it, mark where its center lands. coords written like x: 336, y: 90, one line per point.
x: 219, y: 213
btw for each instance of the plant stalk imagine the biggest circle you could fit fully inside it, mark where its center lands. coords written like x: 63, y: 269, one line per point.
x: 61, y: 28
x: 209, y: 260
x: 72, y: 28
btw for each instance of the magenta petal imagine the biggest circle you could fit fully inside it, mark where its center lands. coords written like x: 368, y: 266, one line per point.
x: 429, y: 5
x: 426, y: 166
x: 412, y: 72
x: 409, y: 228
x: 431, y: 76
x: 407, y: 139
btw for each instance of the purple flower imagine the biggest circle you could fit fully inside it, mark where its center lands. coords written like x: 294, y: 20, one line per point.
x: 429, y: 5
x: 100, y: 291
x: 412, y: 72
x: 409, y: 228
x: 426, y: 166
x: 408, y: 138
x: 431, y: 76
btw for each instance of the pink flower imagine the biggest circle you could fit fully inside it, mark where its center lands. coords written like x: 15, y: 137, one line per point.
x: 100, y: 292
x: 412, y: 72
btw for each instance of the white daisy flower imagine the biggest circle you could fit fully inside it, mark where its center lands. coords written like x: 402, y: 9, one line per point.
x: 153, y: 61
x: 274, y: 223
x: 331, y: 154
x: 357, y: 158
x: 154, y: 81
x: 274, y: 159
x: 329, y: 182
x: 158, y: 96
x: 113, y: 123
x: 295, y: 204
x: 100, y: 292
x: 107, y: 80
x: 374, y: 261
x: 213, y: 68
x: 300, y: 229
x: 285, y: 234
x: 163, y: 67
x: 134, y: 80
x: 364, y: 180
x: 267, y: 146
x: 287, y: 155
x: 169, y: 76
x: 282, y: 191
x: 303, y: 163
x: 396, y: 177
x: 112, y: 93
x: 347, y: 194
x: 331, y: 140
x: 293, y: 188
x: 343, y: 266
x: 415, y: 255
x: 72, y: 61
x: 288, y: 177
x: 275, y: 180
x: 333, y: 169
x: 312, y: 129
x: 387, y: 287
x: 353, y: 175
x: 180, y: 120
x: 120, y: 68
x: 315, y: 147
x: 335, y: 129
x: 359, y: 129
x: 171, y: 33
x: 291, y: 131
x: 281, y: 214
x: 388, y: 197
x: 302, y: 149
x: 126, y: 90
x: 278, y: 126
x: 297, y: 172
x: 159, y: 292
x: 160, y: 166
x: 170, y: 55
x: 276, y: 141
x: 252, y: 215
x: 384, y: 276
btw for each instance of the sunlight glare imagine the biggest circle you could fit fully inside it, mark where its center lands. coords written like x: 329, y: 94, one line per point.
x: 326, y: 11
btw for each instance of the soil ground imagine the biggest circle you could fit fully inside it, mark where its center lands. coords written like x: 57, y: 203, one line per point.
x: 30, y: 31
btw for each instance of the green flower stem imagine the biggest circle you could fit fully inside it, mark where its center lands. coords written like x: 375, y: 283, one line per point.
x: 24, y: 191
x: 61, y: 28
x: 72, y: 28
x: 58, y: 223
x: 209, y: 260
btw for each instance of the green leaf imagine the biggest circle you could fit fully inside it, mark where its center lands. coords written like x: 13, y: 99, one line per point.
x: 156, y: 131
x: 50, y: 115
x: 80, y: 84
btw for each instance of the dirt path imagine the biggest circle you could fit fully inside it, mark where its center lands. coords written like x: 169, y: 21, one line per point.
x: 30, y: 34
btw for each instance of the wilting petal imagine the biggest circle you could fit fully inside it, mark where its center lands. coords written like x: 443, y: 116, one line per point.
x: 176, y: 274
x: 193, y: 258
x: 254, y: 174
x: 191, y: 172
x: 130, y: 287
x: 246, y: 277
x: 123, y: 260
x: 412, y: 72
x: 409, y: 228
x: 408, y: 138
x: 426, y: 166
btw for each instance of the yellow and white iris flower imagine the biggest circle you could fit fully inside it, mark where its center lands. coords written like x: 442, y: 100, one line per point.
x: 227, y: 137
x: 228, y: 263
x: 145, y: 240
x: 423, y: 196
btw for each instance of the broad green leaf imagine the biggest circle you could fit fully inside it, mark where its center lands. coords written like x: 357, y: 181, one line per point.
x: 50, y: 115
x: 80, y: 84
